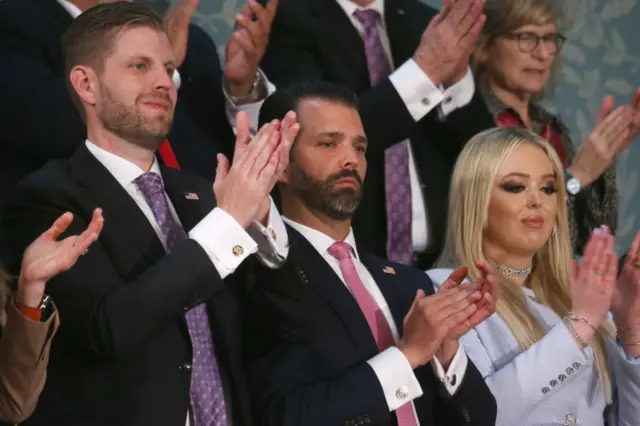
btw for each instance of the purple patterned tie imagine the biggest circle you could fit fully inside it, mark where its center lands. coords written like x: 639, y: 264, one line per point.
x: 207, y: 398
x: 396, y: 159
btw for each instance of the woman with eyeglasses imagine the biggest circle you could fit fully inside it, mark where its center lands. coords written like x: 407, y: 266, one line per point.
x: 515, y: 63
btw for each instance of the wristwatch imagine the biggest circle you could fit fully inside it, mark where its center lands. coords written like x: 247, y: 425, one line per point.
x: 41, y: 313
x: 254, y: 94
x: 573, y: 184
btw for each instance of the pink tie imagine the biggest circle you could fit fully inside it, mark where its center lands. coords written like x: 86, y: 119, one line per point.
x: 375, y: 318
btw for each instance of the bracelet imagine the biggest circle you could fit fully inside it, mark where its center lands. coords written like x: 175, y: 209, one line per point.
x: 574, y: 317
x: 572, y: 330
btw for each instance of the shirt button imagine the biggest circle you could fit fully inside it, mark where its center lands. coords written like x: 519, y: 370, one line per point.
x: 426, y: 101
x: 453, y: 380
x: 402, y: 392
x: 237, y: 250
x: 448, y: 99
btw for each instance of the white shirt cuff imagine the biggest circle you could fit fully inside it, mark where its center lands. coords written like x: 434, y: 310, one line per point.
x: 252, y: 109
x: 273, y: 241
x: 458, y: 95
x: 223, y: 239
x: 176, y: 79
x: 416, y: 89
x: 452, y: 378
x: 396, y: 377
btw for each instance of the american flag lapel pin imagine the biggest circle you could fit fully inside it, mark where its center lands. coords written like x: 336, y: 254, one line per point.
x: 191, y: 196
x: 389, y: 270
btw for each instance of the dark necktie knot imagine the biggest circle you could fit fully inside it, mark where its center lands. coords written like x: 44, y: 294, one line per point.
x: 367, y: 17
x: 149, y: 184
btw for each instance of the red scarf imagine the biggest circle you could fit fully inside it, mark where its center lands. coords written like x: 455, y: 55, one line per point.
x: 508, y: 119
x: 167, y: 155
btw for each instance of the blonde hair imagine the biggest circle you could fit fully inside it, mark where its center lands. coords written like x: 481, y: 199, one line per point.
x: 471, y: 188
x: 506, y: 16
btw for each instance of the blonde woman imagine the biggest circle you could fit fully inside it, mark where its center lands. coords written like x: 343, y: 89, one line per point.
x: 515, y: 64
x: 31, y: 320
x: 549, y: 354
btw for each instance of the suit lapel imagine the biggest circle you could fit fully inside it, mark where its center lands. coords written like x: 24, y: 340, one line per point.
x: 343, y: 36
x: 312, y: 269
x: 385, y: 277
x: 121, y: 213
x: 403, y: 37
x: 190, y: 202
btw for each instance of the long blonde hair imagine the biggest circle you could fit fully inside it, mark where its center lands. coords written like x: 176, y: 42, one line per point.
x: 505, y: 16
x: 471, y: 187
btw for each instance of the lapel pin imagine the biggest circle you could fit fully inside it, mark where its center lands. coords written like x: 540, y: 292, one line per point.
x: 389, y: 270
x: 191, y: 196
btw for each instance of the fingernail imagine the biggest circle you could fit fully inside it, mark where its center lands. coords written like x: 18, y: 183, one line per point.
x: 597, y: 231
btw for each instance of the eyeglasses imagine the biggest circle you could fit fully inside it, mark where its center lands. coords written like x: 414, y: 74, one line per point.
x: 528, y: 42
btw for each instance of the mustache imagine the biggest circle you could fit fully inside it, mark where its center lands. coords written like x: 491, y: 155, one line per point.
x: 346, y: 173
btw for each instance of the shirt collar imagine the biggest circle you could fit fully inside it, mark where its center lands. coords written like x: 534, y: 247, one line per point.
x: 124, y: 171
x: 350, y: 7
x: 321, y: 242
x: 71, y: 8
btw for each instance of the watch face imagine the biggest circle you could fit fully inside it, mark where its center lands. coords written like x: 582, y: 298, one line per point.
x: 573, y: 186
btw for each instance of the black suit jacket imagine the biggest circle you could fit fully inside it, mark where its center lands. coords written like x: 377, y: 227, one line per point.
x: 122, y: 356
x: 39, y: 121
x: 308, y: 344
x: 314, y: 39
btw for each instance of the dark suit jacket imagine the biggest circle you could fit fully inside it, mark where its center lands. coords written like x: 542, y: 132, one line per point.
x: 122, y: 356
x: 314, y: 39
x: 39, y: 121
x: 308, y: 343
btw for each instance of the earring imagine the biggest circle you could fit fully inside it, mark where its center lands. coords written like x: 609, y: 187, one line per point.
x: 554, y: 231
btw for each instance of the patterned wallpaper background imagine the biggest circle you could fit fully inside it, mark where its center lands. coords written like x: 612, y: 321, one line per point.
x: 602, y: 56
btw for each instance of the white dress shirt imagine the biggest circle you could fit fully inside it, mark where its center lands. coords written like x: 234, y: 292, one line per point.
x: 554, y: 382
x: 231, y: 109
x: 392, y: 368
x: 218, y: 232
x: 420, y: 96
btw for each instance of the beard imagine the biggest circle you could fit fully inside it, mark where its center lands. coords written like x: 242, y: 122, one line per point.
x: 129, y: 124
x: 320, y: 195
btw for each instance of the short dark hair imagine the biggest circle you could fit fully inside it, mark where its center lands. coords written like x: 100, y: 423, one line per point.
x: 288, y: 98
x: 90, y: 37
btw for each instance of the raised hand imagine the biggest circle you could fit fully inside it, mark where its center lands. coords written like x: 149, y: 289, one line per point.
x: 634, y: 128
x: 431, y: 318
x: 46, y: 257
x: 605, y: 141
x: 247, y: 45
x: 449, y: 40
x: 241, y: 188
x: 625, y: 305
x: 593, y: 282
x: 177, y: 23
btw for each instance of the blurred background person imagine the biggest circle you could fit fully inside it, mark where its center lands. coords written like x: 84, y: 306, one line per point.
x: 409, y: 66
x: 516, y: 62
x: 31, y: 319
x: 550, y: 354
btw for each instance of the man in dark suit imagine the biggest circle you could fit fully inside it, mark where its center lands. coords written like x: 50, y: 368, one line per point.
x: 339, y: 336
x: 412, y: 84
x: 39, y: 121
x: 148, y: 318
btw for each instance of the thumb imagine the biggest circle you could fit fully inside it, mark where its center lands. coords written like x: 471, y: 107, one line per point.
x: 419, y: 296
x: 605, y: 109
x: 222, y: 170
x: 455, y: 278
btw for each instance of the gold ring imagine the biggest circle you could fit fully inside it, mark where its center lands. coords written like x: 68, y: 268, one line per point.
x: 598, y: 273
x: 636, y: 264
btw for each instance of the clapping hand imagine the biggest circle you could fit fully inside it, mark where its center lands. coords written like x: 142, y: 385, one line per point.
x: 604, y: 143
x: 242, y: 188
x: 247, y: 45
x: 449, y: 40
x: 46, y: 257
x: 634, y: 128
x: 625, y: 305
x: 177, y: 23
